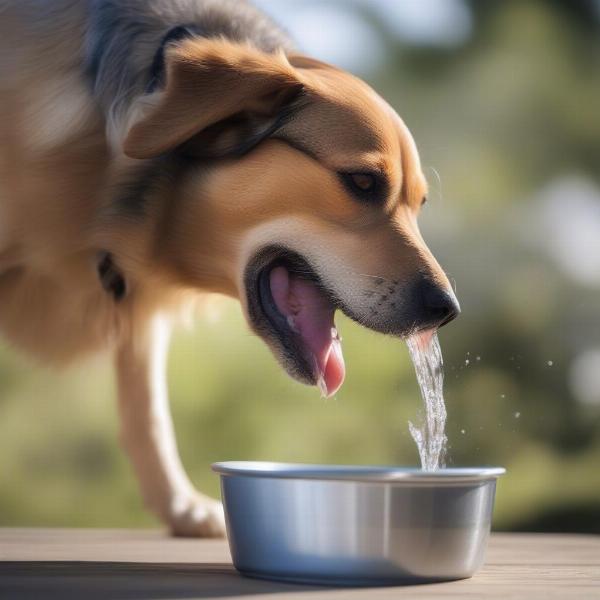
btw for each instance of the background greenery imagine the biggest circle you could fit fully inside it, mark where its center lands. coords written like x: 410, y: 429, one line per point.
x: 505, y: 110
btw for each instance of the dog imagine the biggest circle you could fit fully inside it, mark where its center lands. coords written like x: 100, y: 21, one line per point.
x: 155, y: 149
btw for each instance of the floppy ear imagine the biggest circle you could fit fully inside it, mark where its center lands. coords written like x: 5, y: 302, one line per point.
x: 225, y: 96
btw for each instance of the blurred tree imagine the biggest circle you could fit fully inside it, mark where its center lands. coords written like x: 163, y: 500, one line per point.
x: 501, y: 119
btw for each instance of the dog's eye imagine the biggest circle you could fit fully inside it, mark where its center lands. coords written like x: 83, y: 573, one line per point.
x: 424, y: 200
x: 363, y: 181
x: 365, y: 186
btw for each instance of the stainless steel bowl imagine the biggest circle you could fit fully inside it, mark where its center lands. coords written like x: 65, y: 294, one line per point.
x: 356, y: 525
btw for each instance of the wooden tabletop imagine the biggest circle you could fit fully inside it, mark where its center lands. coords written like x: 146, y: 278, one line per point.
x: 121, y: 565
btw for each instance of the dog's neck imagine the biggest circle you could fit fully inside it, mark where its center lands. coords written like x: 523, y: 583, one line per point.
x: 157, y: 225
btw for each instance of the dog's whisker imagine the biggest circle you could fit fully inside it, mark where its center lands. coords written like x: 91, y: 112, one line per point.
x: 439, y: 180
x: 377, y: 277
x: 453, y: 284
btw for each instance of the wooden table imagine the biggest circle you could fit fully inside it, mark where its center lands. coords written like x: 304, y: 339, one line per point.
x: 108, y: 564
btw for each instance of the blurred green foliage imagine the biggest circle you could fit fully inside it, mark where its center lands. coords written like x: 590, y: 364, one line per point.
x: 497, y: 120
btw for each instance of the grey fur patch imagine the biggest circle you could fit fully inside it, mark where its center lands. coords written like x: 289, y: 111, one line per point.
x: 123, y: 38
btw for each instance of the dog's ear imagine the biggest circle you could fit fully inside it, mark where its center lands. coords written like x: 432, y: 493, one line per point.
x: 219, y: 98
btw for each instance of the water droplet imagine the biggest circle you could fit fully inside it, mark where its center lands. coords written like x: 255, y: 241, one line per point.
x: 463, y: 431
x: 467, y: 361
x: 502, y: 395
x: 517, y: 415
x: 550, y: 363
x: 478, y: 358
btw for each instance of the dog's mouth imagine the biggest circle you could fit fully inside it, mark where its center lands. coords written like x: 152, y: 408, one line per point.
x: 291, y: 308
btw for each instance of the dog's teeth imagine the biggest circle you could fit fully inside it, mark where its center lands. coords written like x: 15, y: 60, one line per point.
x: 335, y: 334
x: 322, y: 385
x: 292, y: 323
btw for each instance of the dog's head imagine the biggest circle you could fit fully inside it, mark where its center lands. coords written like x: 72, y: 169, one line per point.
x: 303, y: 198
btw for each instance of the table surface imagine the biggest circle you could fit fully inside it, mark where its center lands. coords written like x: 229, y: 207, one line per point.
x: 136, y: 564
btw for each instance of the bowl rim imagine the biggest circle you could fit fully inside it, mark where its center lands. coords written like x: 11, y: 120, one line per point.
x: 277, y: 470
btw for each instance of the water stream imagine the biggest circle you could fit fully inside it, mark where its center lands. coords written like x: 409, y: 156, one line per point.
x: 429, y: 434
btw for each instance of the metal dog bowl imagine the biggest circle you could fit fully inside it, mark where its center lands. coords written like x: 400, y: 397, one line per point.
x: 356, y: 525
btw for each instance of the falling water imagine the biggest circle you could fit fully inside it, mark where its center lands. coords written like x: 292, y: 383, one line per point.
x: 426, y: 354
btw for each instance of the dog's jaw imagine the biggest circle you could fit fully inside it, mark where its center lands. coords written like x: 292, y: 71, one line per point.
x: 291, y: 310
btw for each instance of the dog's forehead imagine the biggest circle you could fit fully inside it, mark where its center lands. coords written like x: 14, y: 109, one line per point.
x: 362, y: 117
x: 347, y: 125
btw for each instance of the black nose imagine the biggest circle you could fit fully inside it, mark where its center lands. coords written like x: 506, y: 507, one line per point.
x: 439, y: 305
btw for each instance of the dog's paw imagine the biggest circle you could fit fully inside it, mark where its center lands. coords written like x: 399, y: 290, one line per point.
x: 196, y: 516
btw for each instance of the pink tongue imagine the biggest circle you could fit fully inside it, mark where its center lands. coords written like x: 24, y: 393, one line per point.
x: 310, y: 314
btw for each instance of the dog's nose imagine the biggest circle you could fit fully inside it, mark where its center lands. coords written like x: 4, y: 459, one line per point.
x: 440, y: 306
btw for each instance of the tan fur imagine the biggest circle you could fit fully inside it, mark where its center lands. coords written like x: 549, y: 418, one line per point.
x: 205, y: 87
x: 59, y: 167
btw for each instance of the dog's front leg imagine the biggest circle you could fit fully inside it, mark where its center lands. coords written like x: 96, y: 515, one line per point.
x: 148, y: 436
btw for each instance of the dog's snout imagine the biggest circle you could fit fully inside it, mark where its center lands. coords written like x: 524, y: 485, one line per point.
x: 441, y: 306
